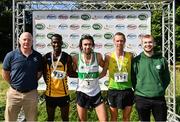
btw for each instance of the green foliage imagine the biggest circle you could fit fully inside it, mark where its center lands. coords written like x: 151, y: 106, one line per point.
x: 178, y: 32
x: 156, y: 29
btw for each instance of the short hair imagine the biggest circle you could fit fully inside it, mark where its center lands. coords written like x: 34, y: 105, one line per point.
x: 120, y: 34
x: 59, y: 37
x: 88, y: 37
x: 147, y: 36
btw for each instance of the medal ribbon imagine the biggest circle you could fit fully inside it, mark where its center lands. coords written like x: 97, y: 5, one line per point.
x: 53, y: 64
x: 119, y: 64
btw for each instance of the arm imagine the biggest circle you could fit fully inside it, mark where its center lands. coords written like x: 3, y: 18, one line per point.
x: 133, y: 74
x: 6, y: 75
x: 70, y: 71
x: 6, y: 67
x: 105, y: 67
x: 44, y: 73
x: 100, y: 60
x: 39, y: 74
x: 40, y: 67
x: 166, y: 75
x: 75, y: 62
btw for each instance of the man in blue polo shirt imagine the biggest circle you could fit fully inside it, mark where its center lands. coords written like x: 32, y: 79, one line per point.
x: 21, y: 69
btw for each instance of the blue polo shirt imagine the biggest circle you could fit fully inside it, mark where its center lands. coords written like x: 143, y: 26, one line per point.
x: 23, y: 70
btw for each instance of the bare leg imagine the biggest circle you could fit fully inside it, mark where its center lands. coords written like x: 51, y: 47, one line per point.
x: 82, y: 113
x: 101, y: 112
x: 126, y: 113
x: 114, y: 113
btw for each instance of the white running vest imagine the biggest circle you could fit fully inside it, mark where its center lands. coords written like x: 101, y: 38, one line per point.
x: 88, y: 75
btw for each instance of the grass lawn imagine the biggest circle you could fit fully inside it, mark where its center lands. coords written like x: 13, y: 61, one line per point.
x: 42, y: 116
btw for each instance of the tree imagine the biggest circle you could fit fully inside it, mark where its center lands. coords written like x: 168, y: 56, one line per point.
x: 5, y: 27
x: 177, y: 31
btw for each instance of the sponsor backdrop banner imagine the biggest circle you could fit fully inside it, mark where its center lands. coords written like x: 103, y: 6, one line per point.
x: 102, y: 25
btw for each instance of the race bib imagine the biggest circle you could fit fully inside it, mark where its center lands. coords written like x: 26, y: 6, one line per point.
x: 121, y: 77
x: 58, y: 74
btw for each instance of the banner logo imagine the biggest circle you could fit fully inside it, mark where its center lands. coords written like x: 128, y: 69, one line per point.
x: 63, y: 16
x: 108, y: 35
x: 74, y: 17
x: 97, y: 26
x: 74, y: 26
x: 85, y: 17
x: 143, y: 16
x: 63, y: 27
x: 40, y: 26
x: 40, y: 45
x: 109, y: 45
x: 51, y: 16
x: 109, y: 17
x: 49, y: 35
x: 120, y: 27
x: 86, y: 26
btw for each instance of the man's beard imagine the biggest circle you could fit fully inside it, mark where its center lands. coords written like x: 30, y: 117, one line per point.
x: 87, y: 53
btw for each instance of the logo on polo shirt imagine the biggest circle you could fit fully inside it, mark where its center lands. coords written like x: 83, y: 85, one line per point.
x: 35, y: 59
x: 158, y: 66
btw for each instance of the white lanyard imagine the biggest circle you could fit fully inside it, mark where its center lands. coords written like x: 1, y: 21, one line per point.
x: 53, y: 64
x: 119, y: 64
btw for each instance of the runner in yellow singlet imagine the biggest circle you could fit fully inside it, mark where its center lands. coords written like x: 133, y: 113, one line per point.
x: 120, y: 94
x: 57, y: 66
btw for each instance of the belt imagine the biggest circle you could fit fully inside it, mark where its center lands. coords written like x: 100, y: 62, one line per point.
x: 20, y: 90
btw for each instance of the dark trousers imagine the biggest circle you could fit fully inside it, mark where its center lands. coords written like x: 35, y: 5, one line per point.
x: 156, y: 105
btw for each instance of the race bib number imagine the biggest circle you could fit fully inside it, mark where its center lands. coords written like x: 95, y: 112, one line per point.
x: 121, y: 77
x: 58, y: 74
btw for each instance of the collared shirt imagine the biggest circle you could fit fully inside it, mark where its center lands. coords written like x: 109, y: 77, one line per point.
x: 23, y: 70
